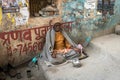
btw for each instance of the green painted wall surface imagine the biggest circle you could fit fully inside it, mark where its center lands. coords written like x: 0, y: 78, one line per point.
x: 85, y: 26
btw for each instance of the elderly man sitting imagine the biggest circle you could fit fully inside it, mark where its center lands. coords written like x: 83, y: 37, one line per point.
x: 59, y: 47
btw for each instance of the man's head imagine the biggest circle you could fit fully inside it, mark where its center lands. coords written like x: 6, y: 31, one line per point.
x: 57, y: 27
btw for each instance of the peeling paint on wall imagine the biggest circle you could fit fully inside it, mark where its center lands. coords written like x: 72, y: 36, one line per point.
x: 87, y: 22
x: 15, y: 14
x: 74, y: 10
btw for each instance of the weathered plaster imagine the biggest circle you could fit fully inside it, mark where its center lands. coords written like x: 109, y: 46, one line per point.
x: 15, y: 51
x: 88, y: 26
x: 69, y: 10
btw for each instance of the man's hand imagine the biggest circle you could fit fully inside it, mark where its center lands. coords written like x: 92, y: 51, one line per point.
x: 74, y: 48
x: 54, y: 54
x: 77, y: 49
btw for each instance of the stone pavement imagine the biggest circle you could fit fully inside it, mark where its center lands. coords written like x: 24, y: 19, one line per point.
x: 103, y: 62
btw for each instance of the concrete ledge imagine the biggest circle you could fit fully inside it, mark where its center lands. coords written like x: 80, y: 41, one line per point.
x: 102, y: 63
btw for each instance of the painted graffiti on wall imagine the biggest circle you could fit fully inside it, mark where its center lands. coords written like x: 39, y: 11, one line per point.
x: 29, y: 40
x: 25, y: 38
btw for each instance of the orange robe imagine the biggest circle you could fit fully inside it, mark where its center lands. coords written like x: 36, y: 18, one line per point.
x: 60, y: 42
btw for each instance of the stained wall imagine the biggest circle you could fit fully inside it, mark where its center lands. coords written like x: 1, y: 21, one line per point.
x: 22, y: 36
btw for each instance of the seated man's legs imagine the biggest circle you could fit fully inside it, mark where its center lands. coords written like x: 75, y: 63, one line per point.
x: 60, y: 56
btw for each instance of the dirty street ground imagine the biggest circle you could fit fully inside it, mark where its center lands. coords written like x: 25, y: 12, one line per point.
x: 103, y: 63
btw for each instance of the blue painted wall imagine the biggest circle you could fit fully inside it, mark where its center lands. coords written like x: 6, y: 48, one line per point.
x: 85, y: 29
